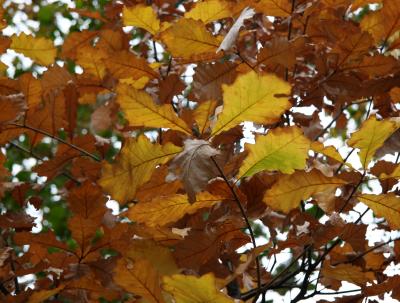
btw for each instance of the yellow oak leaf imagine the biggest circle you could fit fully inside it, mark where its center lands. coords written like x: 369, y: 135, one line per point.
x: 41, y: 50
x: 192, y: 289
x: 42, y: 295
x: 167, y: 209
x: 139, y: 278
x: 91, y: 59
x: 134, y: 166
x: 141, y: 110
x: 159, y: 256
x: 283, y: 149
x: 386, y: 206
x: 276, y: 8
x: 189, y: 39
x: 209, y: 11
x: 203, y: 113
x: 289, y: 190
x: 347, y: 272
x: 252, y: 97
x: 329, y: 151
x: 125, y: 65
x: 141, y: 16
x: 370, y: 137
x: 382, y: 23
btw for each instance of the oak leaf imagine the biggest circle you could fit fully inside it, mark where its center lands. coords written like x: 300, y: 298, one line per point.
x: 347, y: 272
x: 289, y: 190
x: 167, y: 209
x: 194, y: 166
x: 283, y: 149
x: 192, y: 289
x: 41, y: 50
x: 252, y: 97
x: 386, y: 206
x: 134, y: 167
x: 125, y: 65
x: 141, y: 16
x: 139, y: 278
x: 371, y: 136
x: 189, y: 39
x: 141, y: 110
x: 383, y: 23
x: 209, y: 11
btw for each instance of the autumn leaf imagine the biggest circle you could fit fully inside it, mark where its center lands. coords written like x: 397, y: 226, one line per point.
x: 134, y: 166
x: 194, y: 166
x: 370, y: 137
x: 192, y: 289
x: 141, y: 16
x: 208, y: 79
x: 11, y: 108
x: 159, y: 256
x: 167, y: 209
x: 41, y: 50
x: 139, y: 278
x: 125, y: 65
x: 209, y: 11
x: 347, y: 272
x: 189, y: 39
x: 91, y: 60
x: 202, y: 115
x: 141, y: 110
x: 289, y: 190
x: 329, y: 151
x: 277, y: 8
x: 283, y: 149
x: 41, y: 296
x: 386, y: 206
x: 252, y: 97
x: 231, y: 36
x: 32, y: 90
x: 383, y: 23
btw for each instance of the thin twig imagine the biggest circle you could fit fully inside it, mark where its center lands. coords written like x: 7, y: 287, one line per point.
x: 40, y: 131
x: 155, y: 51
x: 32, y: 154
x: 371, y: 249
x: 330, y: 123
x: 246, y: 219
x: 272, y: 285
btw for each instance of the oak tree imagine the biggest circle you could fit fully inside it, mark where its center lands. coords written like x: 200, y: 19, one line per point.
x: 199, y: 151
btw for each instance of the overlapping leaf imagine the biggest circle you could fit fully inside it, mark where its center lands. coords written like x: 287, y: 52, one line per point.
x: 252, y: 97
x: 289, y: 190
x: 167, y: 209
x: 191, y: 289
x: 141, y: 110
x: 370, y: 137
x: 134, y: 166
x: 41, y: 50
x: 283, y: 149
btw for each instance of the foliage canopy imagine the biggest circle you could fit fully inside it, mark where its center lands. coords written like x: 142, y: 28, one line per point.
x: 145, y: 106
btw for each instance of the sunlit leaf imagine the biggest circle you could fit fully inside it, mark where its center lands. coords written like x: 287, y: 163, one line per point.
x: 254, y: 98
x: 289, y: 190
x: 41, y: 50
x: 370, y: 137
x: 192, y: 289
x: 134, y: 166
x: 283, y: 149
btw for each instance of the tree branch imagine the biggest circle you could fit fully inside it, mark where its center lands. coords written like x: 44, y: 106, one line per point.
x: 246, y: 219
x: 37, y: 130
